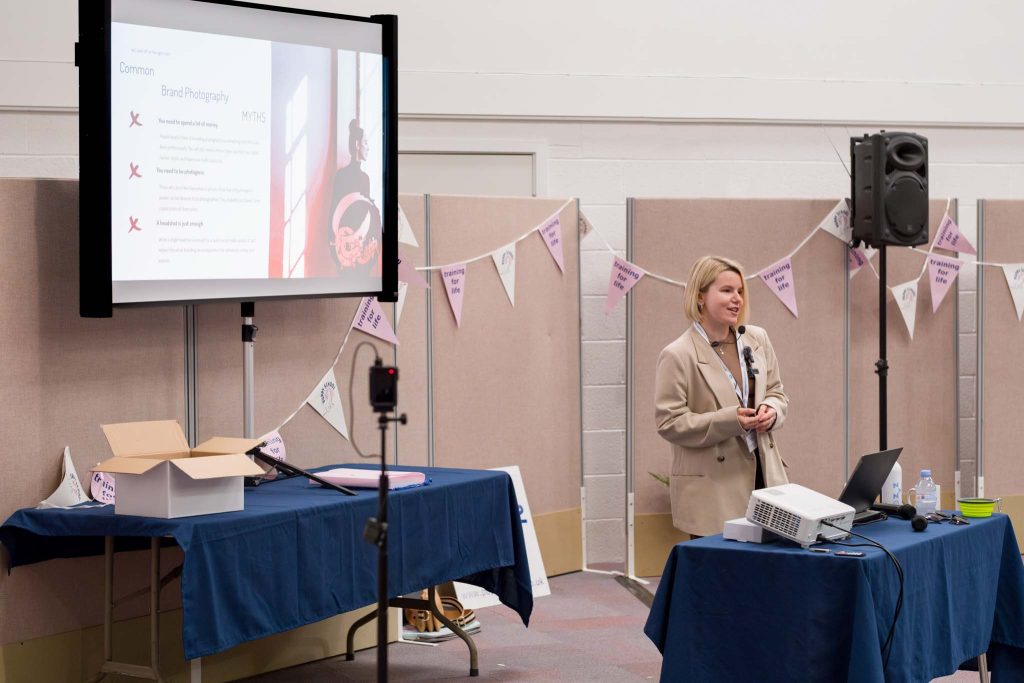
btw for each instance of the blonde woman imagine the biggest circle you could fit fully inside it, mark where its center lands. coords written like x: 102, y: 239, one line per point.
x: 718, y: 398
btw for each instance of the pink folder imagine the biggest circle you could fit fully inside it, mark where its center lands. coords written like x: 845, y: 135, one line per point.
x: 370, y: 479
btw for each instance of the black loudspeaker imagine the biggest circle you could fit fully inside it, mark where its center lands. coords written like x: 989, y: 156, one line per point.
x: 889, y: 189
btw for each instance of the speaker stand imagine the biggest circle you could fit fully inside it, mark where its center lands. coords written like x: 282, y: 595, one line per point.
x: 882, y: 365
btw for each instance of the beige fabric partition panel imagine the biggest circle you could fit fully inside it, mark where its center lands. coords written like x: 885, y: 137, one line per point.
x: 922, y: 382
x: 64, y: 376
x: 413, y: 352
x: 506, y: 385
x: 1002, y: 372
x: 669, y: 235
x: 296, y: 343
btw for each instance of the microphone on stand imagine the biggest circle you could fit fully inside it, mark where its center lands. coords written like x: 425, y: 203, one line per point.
x: 904, y: 511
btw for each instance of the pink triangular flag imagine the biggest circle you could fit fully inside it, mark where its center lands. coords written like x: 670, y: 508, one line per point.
x: 408, y: 273
x: 551, y: 231
x: 779, y: 278
x: 623, y: 278
x: 1014, y: 273
x: 950, y: 237
x: 906, y: 298
x: 455, y: 284
x: 856, y: 260
x: 941, y: 273
x: 371, y: 320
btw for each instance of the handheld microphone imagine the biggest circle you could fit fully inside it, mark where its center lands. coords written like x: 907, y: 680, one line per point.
x: 904, y: 511
x: 919, y: 523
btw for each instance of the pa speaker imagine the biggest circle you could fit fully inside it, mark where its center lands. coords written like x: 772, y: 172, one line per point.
x: 889, y: 189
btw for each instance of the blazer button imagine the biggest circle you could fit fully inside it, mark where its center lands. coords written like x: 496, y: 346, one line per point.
x: 721, y: 458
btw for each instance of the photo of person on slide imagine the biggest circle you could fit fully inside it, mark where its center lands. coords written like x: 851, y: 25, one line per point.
x: 355, y: 228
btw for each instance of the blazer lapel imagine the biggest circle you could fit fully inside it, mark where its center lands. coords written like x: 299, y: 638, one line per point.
x: 711, y: 368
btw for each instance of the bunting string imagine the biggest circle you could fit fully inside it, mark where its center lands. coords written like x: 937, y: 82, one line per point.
x: 516, y: 241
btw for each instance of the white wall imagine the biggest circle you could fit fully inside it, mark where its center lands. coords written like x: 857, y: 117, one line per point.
x: 686, y: 99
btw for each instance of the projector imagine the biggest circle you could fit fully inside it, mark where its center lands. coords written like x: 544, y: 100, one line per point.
x: 799, y: 514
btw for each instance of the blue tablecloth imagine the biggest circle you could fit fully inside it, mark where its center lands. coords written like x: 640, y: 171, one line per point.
x: 730, y: 611
x: 296, y: 554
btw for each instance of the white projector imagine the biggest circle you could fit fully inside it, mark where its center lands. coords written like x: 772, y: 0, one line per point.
x: 800, y: 514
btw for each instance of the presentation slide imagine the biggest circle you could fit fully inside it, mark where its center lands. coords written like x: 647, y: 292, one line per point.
x: 239, y: 158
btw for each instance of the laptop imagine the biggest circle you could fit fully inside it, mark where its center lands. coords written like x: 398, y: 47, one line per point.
x: 866, y: 483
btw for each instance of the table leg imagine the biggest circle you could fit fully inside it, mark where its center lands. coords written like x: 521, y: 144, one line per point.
x: 350, y: 640
x: 474, y: 669
x: 983, y: 667
x: 109, y: 666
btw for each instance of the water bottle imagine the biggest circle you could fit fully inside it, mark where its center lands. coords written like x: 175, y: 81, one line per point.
x: 926, y: 501
x: 892, y: 489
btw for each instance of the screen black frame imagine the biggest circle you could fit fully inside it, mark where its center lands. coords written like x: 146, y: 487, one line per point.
x: 92, y: 57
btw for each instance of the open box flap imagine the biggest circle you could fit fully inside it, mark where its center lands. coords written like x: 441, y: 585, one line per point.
x: 157, y: 439
x: 223, y: 445
x: 216, y: 466
x: 118, y: 465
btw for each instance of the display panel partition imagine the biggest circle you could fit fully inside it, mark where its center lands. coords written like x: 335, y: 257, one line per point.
x: 506, y: 383
x: 1000, y: 338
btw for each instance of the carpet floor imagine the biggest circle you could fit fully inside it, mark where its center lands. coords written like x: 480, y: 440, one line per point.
x: 589, y: 629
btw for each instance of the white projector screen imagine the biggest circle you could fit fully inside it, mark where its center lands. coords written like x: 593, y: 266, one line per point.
x: 247, y: 150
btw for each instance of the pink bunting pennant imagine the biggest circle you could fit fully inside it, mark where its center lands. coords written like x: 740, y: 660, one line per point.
x: 624, y: 277
x: 455, y: 283
x: 779, y: 278
x: 407, y: 273
x: 950, y: 237
x: 942, y: 271
x: 371, y: 320
x: 552, y: 234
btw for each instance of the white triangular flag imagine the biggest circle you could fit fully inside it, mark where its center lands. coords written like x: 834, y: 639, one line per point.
x: 906, y: 298
x: 70, y: 490
x: 1014, y: 273
x: 505, y: 261
x: 403, y: 287
x: 405, y: 234
x: 586, y: 227
x: 326, y: 400
x: 837, y: 222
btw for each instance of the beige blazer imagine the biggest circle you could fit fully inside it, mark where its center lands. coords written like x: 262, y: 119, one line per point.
x: 695, y: 408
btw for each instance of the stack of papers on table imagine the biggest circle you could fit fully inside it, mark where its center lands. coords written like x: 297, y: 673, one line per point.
x: 445, y: 633
x: 370, y: 479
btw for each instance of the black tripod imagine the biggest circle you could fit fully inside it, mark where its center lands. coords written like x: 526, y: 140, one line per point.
x: 383, y: 396
x: 882, y: 365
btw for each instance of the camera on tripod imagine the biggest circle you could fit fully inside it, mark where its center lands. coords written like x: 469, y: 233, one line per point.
x: 383, y: 387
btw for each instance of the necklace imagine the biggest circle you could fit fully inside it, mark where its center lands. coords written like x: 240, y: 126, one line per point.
x: 720, y: 346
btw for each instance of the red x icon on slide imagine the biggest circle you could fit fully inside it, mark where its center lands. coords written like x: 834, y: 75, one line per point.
x: 135, y: 119
x: 135, y: 224
x: 135, y: 171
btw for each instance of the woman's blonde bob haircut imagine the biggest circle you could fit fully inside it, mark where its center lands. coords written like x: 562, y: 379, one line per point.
x: 704, y: 272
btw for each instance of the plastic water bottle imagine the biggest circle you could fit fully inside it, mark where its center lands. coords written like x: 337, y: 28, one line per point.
x: 892, y: 489
x: 926, y: 501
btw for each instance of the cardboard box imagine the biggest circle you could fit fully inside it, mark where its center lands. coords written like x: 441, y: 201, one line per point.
x: 157, y: 475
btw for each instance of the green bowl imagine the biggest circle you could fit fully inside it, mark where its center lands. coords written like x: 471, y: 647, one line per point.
x: 977, y: 507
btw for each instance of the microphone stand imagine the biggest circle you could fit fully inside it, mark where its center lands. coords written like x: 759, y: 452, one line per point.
x: 882, y: 365
x: 376, y: 532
